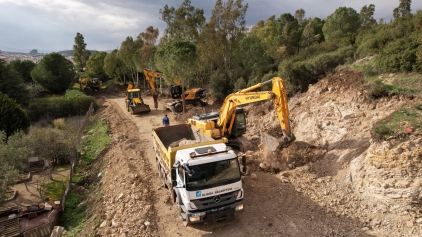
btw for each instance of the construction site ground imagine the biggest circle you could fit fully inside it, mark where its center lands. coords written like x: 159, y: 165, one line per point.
x: 334, y: 180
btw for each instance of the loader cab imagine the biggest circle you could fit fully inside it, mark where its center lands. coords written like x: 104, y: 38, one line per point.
x: 134, y: 94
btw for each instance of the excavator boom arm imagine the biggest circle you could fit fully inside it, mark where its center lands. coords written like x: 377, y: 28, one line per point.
x: 246, y: 96
x: 148, y: 76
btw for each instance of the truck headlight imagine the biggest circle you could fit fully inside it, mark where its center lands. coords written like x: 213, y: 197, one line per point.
x: 194, y: 218
x: 239, y: 208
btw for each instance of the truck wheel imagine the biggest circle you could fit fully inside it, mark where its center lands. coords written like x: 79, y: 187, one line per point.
x: 182, y: 214
x: 163, y: 177
x: 198, y: 103
x: 178, y: 107
x: 158, y: 169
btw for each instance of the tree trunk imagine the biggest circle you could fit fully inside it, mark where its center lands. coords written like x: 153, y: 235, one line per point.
x: 183, y: 99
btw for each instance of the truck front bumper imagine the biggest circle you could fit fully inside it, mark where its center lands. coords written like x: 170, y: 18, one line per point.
x: 216, y: 216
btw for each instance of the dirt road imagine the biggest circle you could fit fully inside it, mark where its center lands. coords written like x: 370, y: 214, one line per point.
x: 136, y: 205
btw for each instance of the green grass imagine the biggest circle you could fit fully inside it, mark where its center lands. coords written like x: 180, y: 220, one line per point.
x: 398, y: 122
x: 96, y: 141
x: 401, y: 83
x: 77, y: 179
x: 74, y: 215
x: 55, y: 190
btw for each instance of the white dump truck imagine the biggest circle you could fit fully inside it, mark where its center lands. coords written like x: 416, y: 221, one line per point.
x: 202, y: 174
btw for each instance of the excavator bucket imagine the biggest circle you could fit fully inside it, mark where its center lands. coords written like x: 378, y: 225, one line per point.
x: 271, y: 143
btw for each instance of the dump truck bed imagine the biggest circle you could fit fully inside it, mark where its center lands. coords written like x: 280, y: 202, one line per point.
x: 168, y: 140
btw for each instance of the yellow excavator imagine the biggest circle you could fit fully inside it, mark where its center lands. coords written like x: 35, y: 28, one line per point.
x: 149, y: 77
x: 230, y: 122
x: 134, y: 102
x: 86, y: 83
x: 193, y: 96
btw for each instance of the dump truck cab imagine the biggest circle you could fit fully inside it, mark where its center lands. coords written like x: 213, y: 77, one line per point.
x: 207, y: 184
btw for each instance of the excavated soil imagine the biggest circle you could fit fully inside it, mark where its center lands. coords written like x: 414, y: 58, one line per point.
x: 334, y: 180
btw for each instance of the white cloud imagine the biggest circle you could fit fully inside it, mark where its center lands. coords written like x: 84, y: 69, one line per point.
x: 52, y: 24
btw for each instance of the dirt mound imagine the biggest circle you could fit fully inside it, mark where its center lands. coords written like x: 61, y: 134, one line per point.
x: 126, y: 184
x: 113, y: 89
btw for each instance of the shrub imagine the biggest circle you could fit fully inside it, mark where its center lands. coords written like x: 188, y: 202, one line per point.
x: 299, y: 74
x: 377, y: 89
x: 12, y: 116
x: 399, y: 55
x: 59, y: 123
x: 72, y: 103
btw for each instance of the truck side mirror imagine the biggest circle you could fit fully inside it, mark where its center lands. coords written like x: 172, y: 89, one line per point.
x: 173, y: 176
x: 244, y: 163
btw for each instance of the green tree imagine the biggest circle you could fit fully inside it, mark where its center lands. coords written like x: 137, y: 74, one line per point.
x: 14, y: 154
x: 312, y: 33
x: 178, y: 60
x: 115, y: 67
x: 12, y: 116
x: 95, y: 65
x: 127, y: 52
x: 183, y: 23
x: 147, y: 52
x: 54, y: 73
x: 342, y: 26
x: 24, y: 68
x: 288, y: 34
x: 418, y: 17
x: 219, y: 42
x: 253, y: 59
x: 403, y: 9
x: 300, y: 15
x: 80, y: 53
x: 367, y: 16
x: 267, y: 32
x: 11, y: 84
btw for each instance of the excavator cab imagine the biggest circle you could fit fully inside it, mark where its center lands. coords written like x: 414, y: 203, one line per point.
x: 176, y: 92
x: 239, y: 125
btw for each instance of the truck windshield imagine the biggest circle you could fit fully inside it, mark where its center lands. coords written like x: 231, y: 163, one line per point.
x: 213, y: 174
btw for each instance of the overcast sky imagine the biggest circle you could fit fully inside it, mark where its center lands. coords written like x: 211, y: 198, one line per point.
x: 51, y: 25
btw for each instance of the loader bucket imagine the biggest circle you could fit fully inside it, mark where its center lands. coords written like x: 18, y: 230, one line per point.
x: 140, y: 108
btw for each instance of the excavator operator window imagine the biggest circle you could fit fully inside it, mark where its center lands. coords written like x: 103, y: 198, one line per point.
x: 176, y: 92
x: 240, y: 124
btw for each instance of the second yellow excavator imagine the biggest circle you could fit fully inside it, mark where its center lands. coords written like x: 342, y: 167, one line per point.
x: 193, y: 96
x: 230, y: 122
x: 87, y: 83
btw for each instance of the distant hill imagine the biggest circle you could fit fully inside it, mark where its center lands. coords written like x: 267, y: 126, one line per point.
x: 65, y: 53
x: 69, y: 53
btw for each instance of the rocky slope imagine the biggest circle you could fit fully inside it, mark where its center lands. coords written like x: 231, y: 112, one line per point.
x: 339, y: 165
